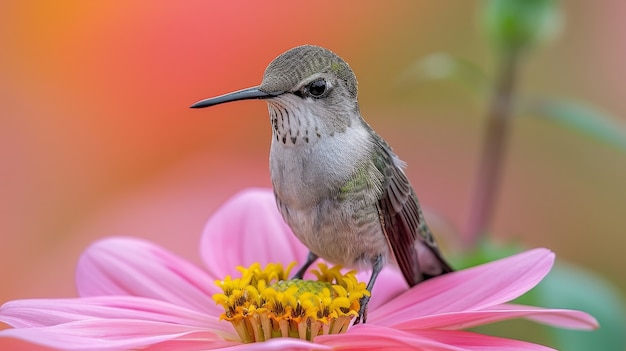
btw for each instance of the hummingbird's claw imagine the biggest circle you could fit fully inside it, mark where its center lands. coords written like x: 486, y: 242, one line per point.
x: 363, y: 310
x: 311, y: 257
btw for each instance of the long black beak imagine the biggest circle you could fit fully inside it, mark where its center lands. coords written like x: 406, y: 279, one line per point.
x: 245, y: 94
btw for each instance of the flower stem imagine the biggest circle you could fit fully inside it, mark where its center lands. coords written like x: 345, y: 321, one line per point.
x: 499, y: 119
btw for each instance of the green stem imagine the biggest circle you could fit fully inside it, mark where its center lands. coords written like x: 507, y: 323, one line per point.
x: 496, y: 139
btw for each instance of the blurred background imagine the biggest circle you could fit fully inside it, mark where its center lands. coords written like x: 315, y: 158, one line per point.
x: 96, y: 137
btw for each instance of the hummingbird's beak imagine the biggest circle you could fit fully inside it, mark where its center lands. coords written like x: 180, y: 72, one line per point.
x: 245, y: 94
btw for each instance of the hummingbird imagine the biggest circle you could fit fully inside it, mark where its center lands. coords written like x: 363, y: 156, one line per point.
x: 338, y: 185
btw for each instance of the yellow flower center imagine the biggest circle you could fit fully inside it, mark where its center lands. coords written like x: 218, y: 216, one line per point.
x: 264, y: 304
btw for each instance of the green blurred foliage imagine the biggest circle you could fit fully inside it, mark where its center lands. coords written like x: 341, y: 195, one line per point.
x: 581, y: 117
x: 520, y: 24
x: 442, y: 66
x: 514, y: 25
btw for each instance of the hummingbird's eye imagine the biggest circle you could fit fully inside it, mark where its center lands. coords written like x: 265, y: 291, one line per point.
x: 317, y: 88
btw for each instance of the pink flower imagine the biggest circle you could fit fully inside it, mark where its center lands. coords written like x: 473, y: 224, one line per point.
x: 136, y: 295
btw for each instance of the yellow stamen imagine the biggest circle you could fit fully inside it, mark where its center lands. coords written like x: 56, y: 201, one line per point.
x: 264, y: 304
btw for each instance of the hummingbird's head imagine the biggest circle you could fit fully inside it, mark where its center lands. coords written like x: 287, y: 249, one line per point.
x: 306, y: 83
x: 306, y: 70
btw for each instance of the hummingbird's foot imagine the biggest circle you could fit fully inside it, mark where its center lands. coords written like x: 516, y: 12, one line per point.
x: 309, y: 261
x: 363, y: 310
x: 377, y: 266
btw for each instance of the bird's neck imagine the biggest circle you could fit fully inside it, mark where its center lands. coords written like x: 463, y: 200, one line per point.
x: 300, y: 125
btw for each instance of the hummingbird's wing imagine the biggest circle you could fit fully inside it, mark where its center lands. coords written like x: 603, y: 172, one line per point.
x: 403, y: 224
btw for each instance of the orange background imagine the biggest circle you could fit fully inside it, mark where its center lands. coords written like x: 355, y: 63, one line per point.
x: 96, y: 137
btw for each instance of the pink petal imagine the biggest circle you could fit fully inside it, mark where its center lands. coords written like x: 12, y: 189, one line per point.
x: 562, y: 318
x: 475, y: 288
x: 389, y: 284
x: 373, y: 337
x: 105, y: 334
x: 126, y: 266
x: 468, y: 319
x: 291, y: 344
x: 369, y: 336
x: 196, y: 341
x: 246, y: 229
x: 193, y: 342
x: 479, y: 342
x: 47, y: 312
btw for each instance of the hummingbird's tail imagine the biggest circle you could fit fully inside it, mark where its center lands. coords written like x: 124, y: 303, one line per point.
x: 430, y: 260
